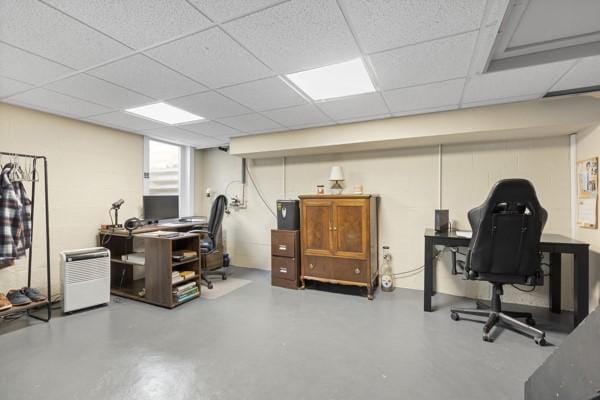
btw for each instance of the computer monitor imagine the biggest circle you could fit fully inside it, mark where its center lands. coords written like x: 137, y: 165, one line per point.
x: 161, y: 207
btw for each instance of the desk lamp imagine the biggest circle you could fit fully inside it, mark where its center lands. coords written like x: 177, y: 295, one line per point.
x: 116, y: 206
x: 336, y: 175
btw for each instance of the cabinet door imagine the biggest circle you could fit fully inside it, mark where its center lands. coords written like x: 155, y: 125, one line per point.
x: 350, y: 228
x: 317, y: 227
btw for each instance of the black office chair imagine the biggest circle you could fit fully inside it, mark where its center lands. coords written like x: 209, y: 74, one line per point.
x: 504, y: 249
x: 211, y: 257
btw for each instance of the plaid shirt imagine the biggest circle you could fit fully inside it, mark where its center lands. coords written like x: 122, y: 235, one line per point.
x: 26, y: 213
x: 15, y: 219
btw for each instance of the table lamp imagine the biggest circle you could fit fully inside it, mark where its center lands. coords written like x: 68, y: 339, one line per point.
x: 336, y: 175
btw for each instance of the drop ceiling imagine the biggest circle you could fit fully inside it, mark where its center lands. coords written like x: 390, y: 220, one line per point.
x: 226, y: 60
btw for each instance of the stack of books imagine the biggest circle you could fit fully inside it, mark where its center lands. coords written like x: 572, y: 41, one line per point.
x: 178, y: 276
x: 187, y: 274
x: 186, y: 292
x: 183, y: 255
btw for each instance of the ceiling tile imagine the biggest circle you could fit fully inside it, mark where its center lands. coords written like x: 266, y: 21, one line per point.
x: 177, y: 135
x: 47, y: 100
x: 26, y: 67
x: 426, y: 110
x: 265, y: 94
x: 514, y: 82
x: 206, y: 142
x: 362, y: 105
x: 170, y: 133
x: 300, y: 116
x: 211, y: 57
x: 385, y: 24
x: 502, y: 100
x: 38, y: 28
x: 155, y: 20
x: 549, y: 20
x: 439, y: 60
x: 223, y: 10
x: 10, y: 86
x: 483, y: 49
x: 211, y: 128
x: 297, y: 35
x: 210, y: 105
x: 425, y: 96
x: 365, y: 118
x: 585, y: 73
x: 148, y: 77
x: 251, y: 123
x: 125, y: 121
x: 98, y: 91
x: 496, y: 12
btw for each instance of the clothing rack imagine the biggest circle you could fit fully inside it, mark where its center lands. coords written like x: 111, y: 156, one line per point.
x: 48, y: 302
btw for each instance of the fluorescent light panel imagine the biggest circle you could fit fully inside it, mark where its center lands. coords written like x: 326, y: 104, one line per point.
x: 166, y: 113
x: 336, y: 80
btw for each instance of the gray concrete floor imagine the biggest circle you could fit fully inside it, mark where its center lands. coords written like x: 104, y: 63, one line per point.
x: 264, y: 343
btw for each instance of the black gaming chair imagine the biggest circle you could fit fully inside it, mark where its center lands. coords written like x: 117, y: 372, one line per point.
x: 504, y: 249
x: 210, y: 255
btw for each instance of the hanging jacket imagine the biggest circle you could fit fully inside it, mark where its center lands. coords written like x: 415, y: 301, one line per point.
x: 26, y: 213
x: 12, y: 242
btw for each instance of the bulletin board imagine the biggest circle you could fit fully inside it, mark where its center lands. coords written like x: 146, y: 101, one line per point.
x: 587, y: 193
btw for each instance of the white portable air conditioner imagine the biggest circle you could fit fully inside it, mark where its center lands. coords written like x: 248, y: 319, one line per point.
x: 86, y: 278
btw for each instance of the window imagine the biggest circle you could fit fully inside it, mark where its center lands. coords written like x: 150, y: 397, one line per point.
x: 168, y: 172
x: 164, y: 169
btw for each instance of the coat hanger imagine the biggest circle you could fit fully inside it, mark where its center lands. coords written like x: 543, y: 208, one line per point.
x: 16, y: 172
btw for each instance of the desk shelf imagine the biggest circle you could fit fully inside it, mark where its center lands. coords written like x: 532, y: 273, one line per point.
x: 187, y: 280
x: 184, y: 262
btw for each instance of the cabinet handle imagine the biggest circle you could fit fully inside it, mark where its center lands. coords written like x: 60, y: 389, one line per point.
x: 335, y: 228
x: 357, y: 270
x: 283, y: 247
x: 283, y: 270
x: 311, y: 266
x: 330, y: 228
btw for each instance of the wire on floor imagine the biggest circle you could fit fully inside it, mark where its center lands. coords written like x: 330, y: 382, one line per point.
x: 523, y: 290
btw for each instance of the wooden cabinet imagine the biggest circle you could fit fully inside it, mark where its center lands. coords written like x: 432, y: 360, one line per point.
x: 339, y: 239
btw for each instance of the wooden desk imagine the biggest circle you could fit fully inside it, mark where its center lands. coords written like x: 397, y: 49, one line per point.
x: 158, y: 265
x: 550, y: 243
x: 174, y: 226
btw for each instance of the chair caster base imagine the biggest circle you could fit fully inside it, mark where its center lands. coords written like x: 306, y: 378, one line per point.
x: 540, y: 341
x: 454, y: 316
x: 487, y: 338
x: 530, y: 321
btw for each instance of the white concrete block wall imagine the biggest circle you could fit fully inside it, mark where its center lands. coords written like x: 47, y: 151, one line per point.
x: 89, y: 166
x: 407, y: 181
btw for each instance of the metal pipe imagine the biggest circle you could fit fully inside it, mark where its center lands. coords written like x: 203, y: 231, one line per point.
x: 47, y: 238
x: 32, y: 220
x: 22, y: 155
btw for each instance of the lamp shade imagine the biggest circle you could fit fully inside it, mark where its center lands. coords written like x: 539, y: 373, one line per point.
x: 336, y: 174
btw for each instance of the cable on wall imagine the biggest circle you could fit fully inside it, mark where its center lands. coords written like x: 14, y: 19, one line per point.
x: 439, y: 176
x: 284, y: 182
x: 259, y: 192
